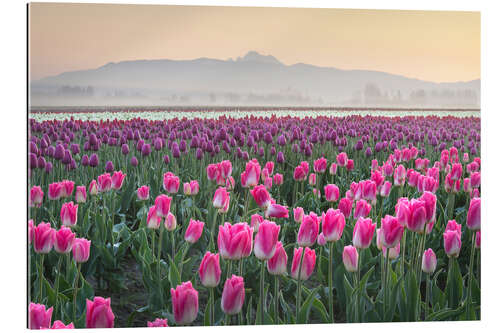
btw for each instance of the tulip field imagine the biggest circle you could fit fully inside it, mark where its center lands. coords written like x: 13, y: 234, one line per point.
x: 248, y: 218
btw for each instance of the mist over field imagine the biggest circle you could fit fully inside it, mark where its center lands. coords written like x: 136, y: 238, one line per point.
x: 253, y: 79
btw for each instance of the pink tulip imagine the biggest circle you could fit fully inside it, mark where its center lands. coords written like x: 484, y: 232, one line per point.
x: 403, y: 211
x: 277, y: 264
x: 226, y: 168
x: 350, y: 258
x: 44, y: 238
x: 363, y: 233
x: 474, y: 215
x: 81, y: 249
x: 64, y: 240
x: 377, y: 177
x: 212, y: 171
x: 158, y: 323
x: 332, y: 193
x: 308, y: 230
x: 229, y: 184
x: 55, y: 191
x: 187, y: 189
x: 385, y: 190
x: 184, y: 303
x: 428, y: 227
x: 474, y: 193
x: 153, y: 220
x: 321, y: 239
x: 193, y: 231
x: 412, y: 177
x: 452, y: 243
x: 393, y: 251
x: 477, y: 244
x: 350, y: 165
x: 342, y: 159
x: 255, y: 221
x: 195, y: 187
x: 104, y: 182
x: 221, y: 198
x: 269, y: 167
x: 69, y: 214
x: 452, y: 225
x: 456, y: 171
x: 298, y: 214
x: 430, y: 200
x: 143, y: 193
x: 467, y: 185
x: 333, y: 223
x: 171, y: 182
x: 209, y: 270
x: 308, y: 263
x: 429, y: 261
x: 39, y: 317
x: 362, y: 209
x: 472, y: 167
x: 250, y: 177
x: 59, y: 325
x: 399, y: 175
x: 387, y: 169
x: 170, y: 222
x: 261, y: 196
x: 36, y: 196
x: 299, y: 174
x: 418, y: 216
x: 369, y: 191
x: 391, y: 231
x: 277, y: 211
x: 31, y: 231
x: 81, y: 194
x: 320, y: 165
x: 356, y: 191
x: 278, y: 179
x: 99, y: 313
x: 93, y: 189
x: 233, y: 295
x: 333, y: 169
x: 475, y: 179
x: 268, y: 183
x: 117, y: 180
x: 266, y: 239
x: 162, y: 204
x: 67, y: 188
x: 234, y: 241
x: 345, y: 206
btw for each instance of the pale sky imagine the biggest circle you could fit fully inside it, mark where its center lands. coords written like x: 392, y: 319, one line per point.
x: 439, y: 46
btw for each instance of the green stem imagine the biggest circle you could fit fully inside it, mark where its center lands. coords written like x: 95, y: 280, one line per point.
x: 358, y: 295
x: 59, y: 262
x: 403, y: 248
x: 330, y: 278
x: 75, y: 291
x: 427, y: 294
x: 386, y: 283
x: 172, y: 233
x: 40, y: 278
x: 240, y: 314
x: 261, y: 313
x: 471, y: 271
x: 158, y: 268
x: 212, y: 232
x: 299, y: 286
x: 212, y: 310
x: 276, y: 297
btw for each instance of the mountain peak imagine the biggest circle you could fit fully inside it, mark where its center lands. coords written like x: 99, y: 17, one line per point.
x: 254, y: 56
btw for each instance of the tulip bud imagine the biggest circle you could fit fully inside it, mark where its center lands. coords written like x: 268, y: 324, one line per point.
x: 391, y: 231
x: 209, y: 270
x: 474, y: 215
x: 332, y: 192
x: 31, y: 231
x: 158, y: 323
x: 93, y: 187
x: 117, y: 180
x: 44, y: 238
x: 64, y: 238
x: 350, y: 258
x: 429, y: 261
x: 277, y: 264
x: 221, y: 198
x: 162, y: 203
x: 308, y: 263
x: 345, y: 206
x: 81, y: 250
x: 60, y: 325
x: 277, y: 211
x: 333, y: 223
x: 278, y: 179
x: 266, y: 239
x: 308, y: 230
x: 362, y: 209
x: 171, y: 183
x: 143, y: 193
x: 363, y: 233
x: 104, y: 182
x: 36, y: 196
x: 171, y: 222
x: 99, y: 313
x: 81, y: 194
x: 184, y: 303
x: 393, y: 252
x: 193, y: 231
x: 233, y: 295
x: 452, y: 243
x: 69, y: 214
x: 298, y: 214
x: 261, y: 196
x: 477, y: 244
x: 39, y: 317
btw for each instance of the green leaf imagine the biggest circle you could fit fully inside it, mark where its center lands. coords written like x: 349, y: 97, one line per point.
x: 454, y: 286
x: 306, y: 307
x: 174, y: 276
x: 446, y: 314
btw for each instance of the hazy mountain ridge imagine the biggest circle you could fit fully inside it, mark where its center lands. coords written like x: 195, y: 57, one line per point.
x: 253, y: 78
